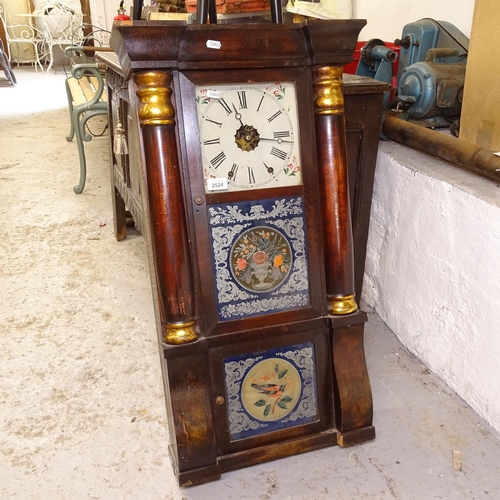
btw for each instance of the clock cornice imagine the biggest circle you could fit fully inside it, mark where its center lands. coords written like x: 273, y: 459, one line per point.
x: 173, y: 45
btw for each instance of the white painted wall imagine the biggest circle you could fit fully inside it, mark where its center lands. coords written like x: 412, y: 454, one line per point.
x: 386, y: 18
x: 433, y: 269
x: 104, y: 11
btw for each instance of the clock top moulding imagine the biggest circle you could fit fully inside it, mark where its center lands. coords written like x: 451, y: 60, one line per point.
x: 142, y: 45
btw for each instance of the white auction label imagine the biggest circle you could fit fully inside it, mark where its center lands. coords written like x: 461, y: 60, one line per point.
x: 219, y: 184
x: 213, y: 94
x: 213, y: 44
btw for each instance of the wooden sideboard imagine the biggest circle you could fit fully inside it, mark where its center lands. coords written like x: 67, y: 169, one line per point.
x: 126, y: 170
x: 363, y: 111
x: 363, y: 105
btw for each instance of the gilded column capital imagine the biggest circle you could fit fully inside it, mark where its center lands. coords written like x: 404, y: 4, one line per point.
x: 154, y: 92
x: 327, y: 82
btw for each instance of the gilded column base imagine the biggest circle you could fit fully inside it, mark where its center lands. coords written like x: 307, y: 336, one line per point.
x: 180, y: 333
x: 342, y: 304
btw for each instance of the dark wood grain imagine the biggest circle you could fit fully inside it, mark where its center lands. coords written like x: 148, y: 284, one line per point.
x: 338, y: 248
x: 353, y: 397
x: 285, y: 449
x: 168, y: 221
x: 363, y: 113
x: 335, y: 204
x: 190, y: 410
x: 171, y: 44
x: 119, y: 210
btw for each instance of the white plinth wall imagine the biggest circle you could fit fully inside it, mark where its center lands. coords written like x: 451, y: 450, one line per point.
x: 433, y: 269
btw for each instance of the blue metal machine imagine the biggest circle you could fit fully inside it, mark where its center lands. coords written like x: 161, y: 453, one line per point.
x: 377, y: 62
x: 431, y: 71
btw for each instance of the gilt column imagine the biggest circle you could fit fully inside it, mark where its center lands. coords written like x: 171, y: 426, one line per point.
x: 332, y: 162
x: 167, y: 214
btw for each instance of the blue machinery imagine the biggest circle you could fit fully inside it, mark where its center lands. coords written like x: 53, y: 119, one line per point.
x: 430, y: 81
x: 431, y: 71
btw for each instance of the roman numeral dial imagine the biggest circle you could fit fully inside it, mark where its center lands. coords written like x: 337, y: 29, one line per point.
x: 249, y: 135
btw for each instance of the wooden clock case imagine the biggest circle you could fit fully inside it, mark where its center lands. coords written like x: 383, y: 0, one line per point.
x: 165, y: 61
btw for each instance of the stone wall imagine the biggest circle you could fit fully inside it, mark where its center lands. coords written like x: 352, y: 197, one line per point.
x: 433, y: 269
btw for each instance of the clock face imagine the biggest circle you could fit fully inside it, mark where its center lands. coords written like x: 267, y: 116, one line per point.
x: 249, y: 136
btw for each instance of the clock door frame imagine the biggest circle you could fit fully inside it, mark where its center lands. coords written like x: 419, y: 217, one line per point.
x: 198, y: 202
x: 272, y: 339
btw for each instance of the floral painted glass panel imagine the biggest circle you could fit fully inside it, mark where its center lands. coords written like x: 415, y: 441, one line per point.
x: 259, y: 257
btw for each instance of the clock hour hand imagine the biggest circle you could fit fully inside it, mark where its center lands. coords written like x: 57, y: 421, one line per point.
x: 237, y: 115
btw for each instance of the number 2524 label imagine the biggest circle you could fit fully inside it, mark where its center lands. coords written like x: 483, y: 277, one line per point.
x: 219, y: 184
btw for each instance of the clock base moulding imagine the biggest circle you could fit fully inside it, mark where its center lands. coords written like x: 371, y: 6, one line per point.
x: 199, y: 409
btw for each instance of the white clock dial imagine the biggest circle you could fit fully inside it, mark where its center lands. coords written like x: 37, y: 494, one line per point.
x: 249, y: 136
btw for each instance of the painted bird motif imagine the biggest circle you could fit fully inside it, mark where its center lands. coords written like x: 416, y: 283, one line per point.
x: 274, y: 391
x: 271, y: 390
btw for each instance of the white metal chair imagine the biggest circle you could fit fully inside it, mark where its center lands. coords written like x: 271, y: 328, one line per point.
x: 58, y: 26
x: 19, y: 33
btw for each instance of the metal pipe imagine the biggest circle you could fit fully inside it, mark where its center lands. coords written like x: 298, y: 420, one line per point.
x: 276, y: 11
x: 212, y: 12
x: 463, y: 154
x: 137, y: 10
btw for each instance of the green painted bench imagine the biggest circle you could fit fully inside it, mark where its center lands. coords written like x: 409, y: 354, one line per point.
x: 86, y: 92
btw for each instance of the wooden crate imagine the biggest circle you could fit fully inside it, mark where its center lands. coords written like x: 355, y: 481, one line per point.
x: 480, y: 118
x: 233, y: 6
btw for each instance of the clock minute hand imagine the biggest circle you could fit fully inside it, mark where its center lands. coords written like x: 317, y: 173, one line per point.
x: 279, y: 140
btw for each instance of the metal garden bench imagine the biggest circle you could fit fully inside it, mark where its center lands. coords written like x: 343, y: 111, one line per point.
x: 86, y: 98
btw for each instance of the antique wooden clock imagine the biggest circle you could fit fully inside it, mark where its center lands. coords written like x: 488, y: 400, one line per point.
x: 245, y: 163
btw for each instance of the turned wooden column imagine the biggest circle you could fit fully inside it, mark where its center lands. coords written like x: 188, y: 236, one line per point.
x: 168, y: 220
x: 332, y: 163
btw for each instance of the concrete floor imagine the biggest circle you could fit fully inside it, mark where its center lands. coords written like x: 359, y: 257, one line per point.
x: 82, y: 408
